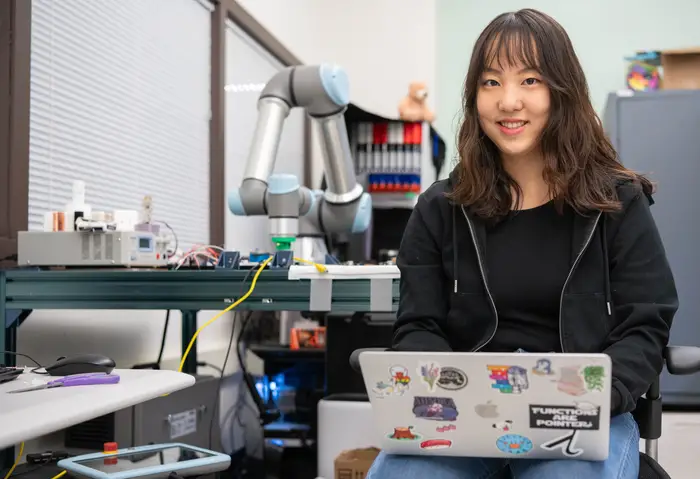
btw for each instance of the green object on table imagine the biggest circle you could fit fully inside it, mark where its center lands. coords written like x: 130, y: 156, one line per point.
x: 283, y: 242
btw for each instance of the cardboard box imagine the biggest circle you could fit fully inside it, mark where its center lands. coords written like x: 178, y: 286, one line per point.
x: 681, y: 69
x: 355, y: 463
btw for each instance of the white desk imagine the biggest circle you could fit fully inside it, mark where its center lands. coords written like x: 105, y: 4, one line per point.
x: 28, y: 415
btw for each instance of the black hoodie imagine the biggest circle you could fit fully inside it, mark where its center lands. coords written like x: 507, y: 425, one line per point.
x: 619, y: 298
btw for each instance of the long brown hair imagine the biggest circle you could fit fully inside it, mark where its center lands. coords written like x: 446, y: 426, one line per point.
x: 581, y: 165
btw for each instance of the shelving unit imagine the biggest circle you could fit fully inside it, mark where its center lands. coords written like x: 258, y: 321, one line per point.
x: 395, y: 160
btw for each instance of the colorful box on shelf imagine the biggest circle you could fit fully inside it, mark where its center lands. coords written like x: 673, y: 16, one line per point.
x: 393, y: 183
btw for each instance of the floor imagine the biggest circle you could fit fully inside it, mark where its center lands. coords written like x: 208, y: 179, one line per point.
x: 678, y: 446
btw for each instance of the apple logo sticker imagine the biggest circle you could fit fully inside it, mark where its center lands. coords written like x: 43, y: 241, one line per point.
x: 487, y: 410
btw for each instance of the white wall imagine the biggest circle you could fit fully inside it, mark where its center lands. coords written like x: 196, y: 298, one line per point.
x: 127, y: 336
x: 603, y: 33
x: 382, y: 44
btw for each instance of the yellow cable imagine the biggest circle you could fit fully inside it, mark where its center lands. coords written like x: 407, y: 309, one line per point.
x: 60, y: 474
x: 321, y: 268
x: 19, y: 456
x: 221, y: 313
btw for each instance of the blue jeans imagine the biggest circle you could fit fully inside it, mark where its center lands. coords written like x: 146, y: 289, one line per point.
x: 622, y: 462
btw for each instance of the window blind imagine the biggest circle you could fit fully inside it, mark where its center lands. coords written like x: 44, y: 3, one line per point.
x: 249, y: 67
x: 120, y: 98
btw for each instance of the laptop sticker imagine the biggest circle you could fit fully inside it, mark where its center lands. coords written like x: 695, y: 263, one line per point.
x: 429, y: 373
x: 570, y: 381
x: 593, y: 377
x: 567, y: 444
x: 433, y: 444
x: 435, y: 408
x: 446, y: 428
x: 397, y: 384
x: 514, y: 444
x: 503, y: 426
x: 508, y: 379
x: 582, y: 416
x: 451, y: 379
x: 488, y: 410
x: 543, y: 367
x: 404, y: 433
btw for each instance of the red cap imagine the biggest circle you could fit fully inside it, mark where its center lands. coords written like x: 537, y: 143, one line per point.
x: 110, y: 447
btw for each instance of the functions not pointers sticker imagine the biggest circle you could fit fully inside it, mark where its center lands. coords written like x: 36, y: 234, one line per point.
x: 582, y: 417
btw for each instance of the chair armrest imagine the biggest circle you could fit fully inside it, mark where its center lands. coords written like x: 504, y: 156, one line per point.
x: 355, y: 357
x: 682, y: 360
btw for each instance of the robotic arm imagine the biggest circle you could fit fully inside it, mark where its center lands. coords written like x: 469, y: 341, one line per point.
x: 344, y: 207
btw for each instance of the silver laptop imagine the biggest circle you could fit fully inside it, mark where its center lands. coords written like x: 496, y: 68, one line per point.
x: 519, y: 405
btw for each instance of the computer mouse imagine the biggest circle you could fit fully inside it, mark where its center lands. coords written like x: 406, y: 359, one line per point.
x: 80, y: 364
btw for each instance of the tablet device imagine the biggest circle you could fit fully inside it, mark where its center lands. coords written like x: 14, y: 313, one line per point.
x: 153, y: 461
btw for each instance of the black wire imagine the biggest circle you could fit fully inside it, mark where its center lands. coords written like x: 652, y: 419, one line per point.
x: 162, y: 340
x: 205, y: 364
x: 235, y: 409
x: 217, y: 398
x: 254, y: 412
x: 39, y: 366
x: 177, y: 242
x: 228, y: 352
x: 242, y: 400
x: 240, y: 341
x: 28, y: 470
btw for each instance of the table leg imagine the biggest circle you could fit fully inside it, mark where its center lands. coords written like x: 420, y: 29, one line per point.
x: 189, y: 327
x: 7, y: 342
x: 3, y: 318
x: 11, y: 345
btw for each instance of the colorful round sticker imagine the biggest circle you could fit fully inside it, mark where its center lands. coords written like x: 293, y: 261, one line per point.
x: 514, y: 444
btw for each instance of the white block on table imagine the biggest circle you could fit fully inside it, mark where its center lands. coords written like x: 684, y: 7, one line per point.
x: 31, y: 414
x: 337, y: 271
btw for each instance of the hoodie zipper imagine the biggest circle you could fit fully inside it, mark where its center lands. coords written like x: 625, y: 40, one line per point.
x: 483, y: 278
x: 571, y: 272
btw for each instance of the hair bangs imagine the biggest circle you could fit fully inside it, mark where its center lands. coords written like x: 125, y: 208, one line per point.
x: 512, y: 45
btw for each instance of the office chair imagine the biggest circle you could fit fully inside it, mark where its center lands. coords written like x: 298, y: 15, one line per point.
x: 680, y: 360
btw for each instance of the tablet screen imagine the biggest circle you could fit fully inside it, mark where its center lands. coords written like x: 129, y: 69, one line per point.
x: 111, y: 463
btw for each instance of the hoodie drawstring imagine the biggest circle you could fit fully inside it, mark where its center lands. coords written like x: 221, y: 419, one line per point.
x: 606, y: 267
x: 454, y: 244
x: 606, y: 259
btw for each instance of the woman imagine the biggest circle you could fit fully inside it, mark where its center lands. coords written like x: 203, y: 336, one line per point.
x: 540, y: 240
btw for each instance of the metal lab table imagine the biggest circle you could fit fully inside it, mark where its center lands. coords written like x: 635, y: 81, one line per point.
x: 22, y: 291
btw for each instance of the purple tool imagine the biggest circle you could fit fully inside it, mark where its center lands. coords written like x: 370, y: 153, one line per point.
x: 74, y: 380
